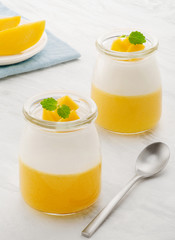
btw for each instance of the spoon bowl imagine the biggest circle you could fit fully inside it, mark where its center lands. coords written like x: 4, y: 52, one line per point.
x: 152, y: 159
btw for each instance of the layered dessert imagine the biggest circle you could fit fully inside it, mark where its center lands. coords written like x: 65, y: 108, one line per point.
x: 127, y: 87
x: 60, y: 171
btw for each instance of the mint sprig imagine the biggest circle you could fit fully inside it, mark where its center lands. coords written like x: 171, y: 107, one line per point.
x: 63, y: 111
x: 49, y: 104
x: 136, y: 38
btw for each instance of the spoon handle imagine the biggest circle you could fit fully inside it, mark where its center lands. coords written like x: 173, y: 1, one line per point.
x: 106, y: 211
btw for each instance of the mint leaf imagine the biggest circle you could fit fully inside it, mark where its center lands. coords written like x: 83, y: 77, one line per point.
x: 63, y: 111
x: 49, y: 104
x: 136, y: 38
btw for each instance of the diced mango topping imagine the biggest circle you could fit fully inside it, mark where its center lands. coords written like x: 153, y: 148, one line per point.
x: 123, y: 45
x: 53, y: 115
x: 69, y: 102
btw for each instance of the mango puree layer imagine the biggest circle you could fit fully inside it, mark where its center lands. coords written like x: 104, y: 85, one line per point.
x: 59, y: 194
x: 127, y: 114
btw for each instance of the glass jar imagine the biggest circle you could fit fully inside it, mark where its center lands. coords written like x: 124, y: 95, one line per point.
x: 60, y: 162
x: 126, y: 86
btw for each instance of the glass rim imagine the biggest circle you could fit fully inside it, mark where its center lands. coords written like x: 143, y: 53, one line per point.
x: 60, y: 126
x: 125, y: 55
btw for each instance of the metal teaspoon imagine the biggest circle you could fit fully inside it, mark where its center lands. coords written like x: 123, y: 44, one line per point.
x: 150, y: 162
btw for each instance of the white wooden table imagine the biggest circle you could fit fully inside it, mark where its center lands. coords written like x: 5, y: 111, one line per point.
x: 149, y: 211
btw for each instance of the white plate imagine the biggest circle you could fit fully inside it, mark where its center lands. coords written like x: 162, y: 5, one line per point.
x: 28, y: 53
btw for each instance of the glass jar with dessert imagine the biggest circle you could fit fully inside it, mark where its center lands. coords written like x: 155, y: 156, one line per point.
x: 60, y: 160
x: 126, y: 83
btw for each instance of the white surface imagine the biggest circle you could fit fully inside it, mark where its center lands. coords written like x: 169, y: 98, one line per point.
x: 37, y: 147
x: 28, y: 53
x: 127, y: 78
x: 149, y: 210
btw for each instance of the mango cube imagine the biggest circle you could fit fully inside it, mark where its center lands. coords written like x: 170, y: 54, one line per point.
x: 69, y: 102
x: 135, y: 48
x: 72, y: 117
x: 117, y: 45
x: 126, y: 43
x: 51, y: 115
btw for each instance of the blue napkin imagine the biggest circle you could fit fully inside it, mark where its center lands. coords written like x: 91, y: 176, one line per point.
x: 55, y: 52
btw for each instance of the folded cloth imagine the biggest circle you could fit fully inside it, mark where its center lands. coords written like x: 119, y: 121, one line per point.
x: 55, y: 52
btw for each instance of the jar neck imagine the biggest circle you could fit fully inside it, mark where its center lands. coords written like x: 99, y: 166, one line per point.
x: 32, y: 111
x: 104, y: 43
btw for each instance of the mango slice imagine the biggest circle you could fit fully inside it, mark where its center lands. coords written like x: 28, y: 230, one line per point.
x: 117, y: 45
x: 10, y: 22
x: 17, y: 39
x: 72, y: 117
x: 69, y: 102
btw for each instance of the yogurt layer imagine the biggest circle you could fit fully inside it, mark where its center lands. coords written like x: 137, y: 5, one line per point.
x: 60, y: 153
x: 127, y: 78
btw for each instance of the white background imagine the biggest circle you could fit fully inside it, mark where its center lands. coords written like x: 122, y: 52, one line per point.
x: 149, y: 211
